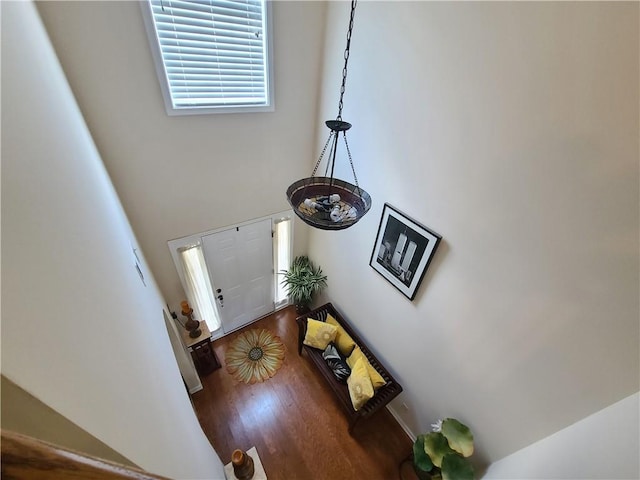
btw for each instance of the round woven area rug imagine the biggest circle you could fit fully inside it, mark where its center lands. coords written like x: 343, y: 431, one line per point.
x: 254, y: 356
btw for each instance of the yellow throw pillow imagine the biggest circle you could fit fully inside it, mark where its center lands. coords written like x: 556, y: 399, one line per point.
x: 343, y: 340
x: 319, y: 334
x: 355, y: 355
x: 376, y: 379
x: 359, y: 383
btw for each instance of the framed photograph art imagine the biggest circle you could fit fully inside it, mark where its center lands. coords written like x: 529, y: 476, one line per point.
x: 403, y: 250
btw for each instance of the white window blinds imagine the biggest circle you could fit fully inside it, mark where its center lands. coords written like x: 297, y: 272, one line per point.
x: 214, y: 52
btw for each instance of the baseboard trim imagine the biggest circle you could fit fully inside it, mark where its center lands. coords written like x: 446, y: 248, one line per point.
x: 402, y: 424
x: 195, y: 389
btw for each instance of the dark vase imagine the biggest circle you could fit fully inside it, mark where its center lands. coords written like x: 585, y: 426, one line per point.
x: 243, y: 467
x: 433, y: 475
x: 409, y: 471
x: 302, y: 309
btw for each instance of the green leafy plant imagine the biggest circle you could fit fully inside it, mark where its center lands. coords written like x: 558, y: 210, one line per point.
x: 442, y: 453
x: 303, y: 281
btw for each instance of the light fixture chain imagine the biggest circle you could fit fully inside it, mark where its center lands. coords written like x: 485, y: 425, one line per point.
x: 346, y: 58
x: 315, y: 169
x: 326, y: 202
x: 355, y: 178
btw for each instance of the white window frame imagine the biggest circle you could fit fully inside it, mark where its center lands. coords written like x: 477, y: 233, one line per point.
x: 176, y: 246
x: 179, y: 243
x: 269, y: 106
x: 283, y: 302
x: 201, y: 297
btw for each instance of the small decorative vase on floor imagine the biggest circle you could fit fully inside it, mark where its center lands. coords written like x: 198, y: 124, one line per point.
x: 302, y: 309
x: 408, y: 471
x: 243, y: 467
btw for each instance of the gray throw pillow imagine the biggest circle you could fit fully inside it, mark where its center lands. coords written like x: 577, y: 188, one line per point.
x: 337, y: 363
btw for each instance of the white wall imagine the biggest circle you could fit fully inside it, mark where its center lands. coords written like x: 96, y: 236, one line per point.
x: 604, y: 445
x: 80, y: 331
x: 177, y: 176
x: 183, y: 356
x: 510, y: 128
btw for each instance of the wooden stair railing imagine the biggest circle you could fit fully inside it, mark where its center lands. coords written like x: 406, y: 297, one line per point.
x: 24, y: 457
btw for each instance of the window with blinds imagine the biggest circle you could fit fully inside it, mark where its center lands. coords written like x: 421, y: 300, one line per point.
x: 211, y: 55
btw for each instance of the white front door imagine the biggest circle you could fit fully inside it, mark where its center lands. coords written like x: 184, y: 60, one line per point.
x: 240, y: 263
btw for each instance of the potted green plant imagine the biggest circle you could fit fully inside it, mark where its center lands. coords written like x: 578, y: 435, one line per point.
x: 442, y: 453
x: 303, y: 281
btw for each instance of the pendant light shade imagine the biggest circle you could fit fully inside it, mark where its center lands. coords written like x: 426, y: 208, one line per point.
x: 311, y: 200
x: 326, y: 202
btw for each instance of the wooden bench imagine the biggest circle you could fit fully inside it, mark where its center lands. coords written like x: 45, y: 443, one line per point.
x: 383, y: 395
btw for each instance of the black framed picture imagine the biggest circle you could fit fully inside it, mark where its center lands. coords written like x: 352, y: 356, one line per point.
x: 403, y: 250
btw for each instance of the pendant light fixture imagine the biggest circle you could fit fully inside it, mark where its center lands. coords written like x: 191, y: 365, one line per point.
x: 326, y: 202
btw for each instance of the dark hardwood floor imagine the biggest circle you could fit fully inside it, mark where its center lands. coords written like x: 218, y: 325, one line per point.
x: 292, y: 419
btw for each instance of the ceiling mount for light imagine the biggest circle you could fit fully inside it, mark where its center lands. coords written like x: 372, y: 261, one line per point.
x: 326, y: 202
